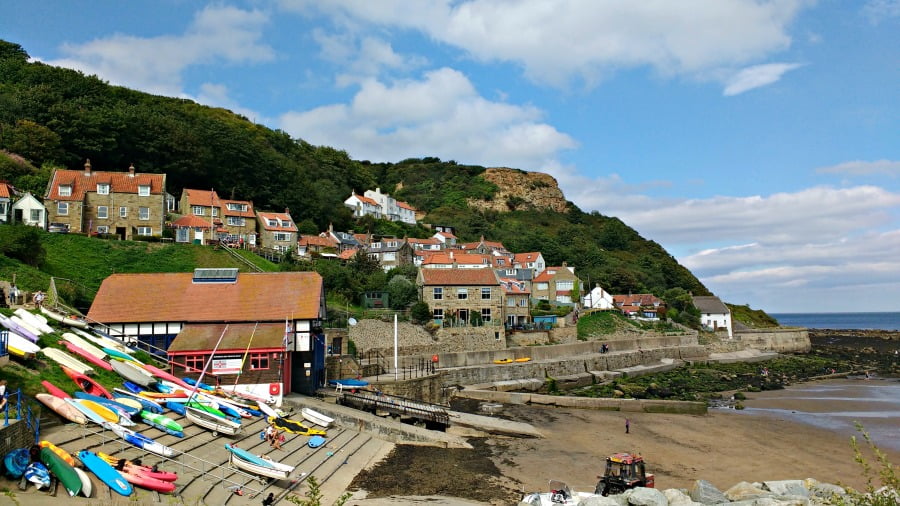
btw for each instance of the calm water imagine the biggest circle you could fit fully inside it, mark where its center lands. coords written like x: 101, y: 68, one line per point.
x: 837, y: 405
x: 875, y: 321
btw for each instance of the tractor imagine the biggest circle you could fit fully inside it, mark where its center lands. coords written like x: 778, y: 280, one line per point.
x: 623, y: 471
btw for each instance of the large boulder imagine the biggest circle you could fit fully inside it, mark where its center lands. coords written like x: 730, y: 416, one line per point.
x: 793, y: 488
x: 824, y: 491
x: 744, y: 491
x: 706, y: 493
x: 643, y: 496
x: 599, y: 500
x: 677, y: 497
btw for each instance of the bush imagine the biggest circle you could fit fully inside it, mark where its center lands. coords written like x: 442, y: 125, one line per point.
x: 420, y: 312
x: 22, y: 243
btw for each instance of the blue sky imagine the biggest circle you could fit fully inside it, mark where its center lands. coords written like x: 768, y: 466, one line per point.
x: 757, y: 141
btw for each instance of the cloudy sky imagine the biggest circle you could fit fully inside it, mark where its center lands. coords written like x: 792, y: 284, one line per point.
x: 757, y: 141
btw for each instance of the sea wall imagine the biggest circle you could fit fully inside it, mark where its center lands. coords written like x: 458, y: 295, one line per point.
x: 634, y: 405
x: 782, y: 340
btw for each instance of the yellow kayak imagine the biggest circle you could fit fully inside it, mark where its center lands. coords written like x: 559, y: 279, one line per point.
x: 503, y: 361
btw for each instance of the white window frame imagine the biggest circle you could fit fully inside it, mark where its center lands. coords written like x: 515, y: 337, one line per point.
x: 143, y: 190
x: 103, y: 212
x: 145, y: 231
x: 437, y: 314
x: 65, y: 190
x: 485, y: 293
x: 144, y: 213
x: 437, y: 293
x: 197, y: 210
x: 123, y: 211
x: 462, y: 293
x: 102, y: 188
x: 237, y: 221
x: 62, y: 208
x: 102, y: 229
x: 35, y: 215
x: 282, y: 236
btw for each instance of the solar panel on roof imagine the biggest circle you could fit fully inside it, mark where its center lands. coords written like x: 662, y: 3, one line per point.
x: 218, y: 275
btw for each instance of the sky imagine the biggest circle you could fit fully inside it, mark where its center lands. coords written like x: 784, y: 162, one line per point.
x: 757, y: 141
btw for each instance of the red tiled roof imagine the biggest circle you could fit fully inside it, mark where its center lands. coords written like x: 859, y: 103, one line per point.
x: 203, y: 337
x: 404, y: 205
x: 119, y: 182
x: 189, y: 220
x: 546, y: 274
x: 444, y: 258
x: 5, y: 192
x: 281, y: 217
x: 347, y: 254
x: 207, y: 198
x: 468, y: 277
x: 524, y: 258
x: 244, y: 214
x: 430, y: 240
x: 315, y: 240
x: 174, y: 297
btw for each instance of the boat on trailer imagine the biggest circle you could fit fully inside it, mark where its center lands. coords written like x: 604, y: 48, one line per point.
x: 72, y: 321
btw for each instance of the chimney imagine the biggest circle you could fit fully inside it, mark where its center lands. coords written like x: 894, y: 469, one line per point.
x: 87, y: 167
x: 287, y: 210
x: 131, y: 170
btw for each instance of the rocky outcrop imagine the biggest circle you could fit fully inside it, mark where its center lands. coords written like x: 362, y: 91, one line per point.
x: 519, y: 190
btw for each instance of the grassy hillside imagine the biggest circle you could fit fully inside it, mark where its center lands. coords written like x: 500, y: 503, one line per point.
x: 83, y: 263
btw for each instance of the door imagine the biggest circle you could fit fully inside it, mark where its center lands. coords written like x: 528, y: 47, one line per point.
x: 120, y: 231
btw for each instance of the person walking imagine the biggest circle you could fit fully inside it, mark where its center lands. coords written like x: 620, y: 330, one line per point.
x: 2, y: 394
x: 627, y: 426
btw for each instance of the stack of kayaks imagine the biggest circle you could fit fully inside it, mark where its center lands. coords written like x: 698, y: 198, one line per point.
x: 139, y: 440
x: 123, y: 411
x: 11, y: 324
x: 65, y: 360
x: 35, y: 320
x: 105, y: 472
x: 133, y: 468
x: 62, y: 408
x: 62, y: 470
x: 93, y: 411
x: 244, y: 460
x: 163, y: 423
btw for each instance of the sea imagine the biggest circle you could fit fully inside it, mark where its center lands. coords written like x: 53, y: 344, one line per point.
x: 838, y: 405
x: 857, y: 321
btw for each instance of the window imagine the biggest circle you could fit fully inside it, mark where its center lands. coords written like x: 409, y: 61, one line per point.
x: 62, y: 208
x: 485, y: 314
x: 511, y: 302
x: 438, y: 314
x: 35, y: 215
x: 3, y: 208
x: 501, y: 262
x: 144, y: 213
x: 103, y: 229
x: 197, y: 210
x: 259, y: 361
x: 144, y: 231
x: 486, y: 293
x: 236, y: 207
x: 437, y: 293
x: 123, y: 212
x: 390, y: 257
x: 272, y: 223
x: 564, y: 285
x: 144, y: 190
x: 65, y: 190
x: 236, y: 221
x: 102, y: 212
x: 462, y: 293
x: 102, y: 188
x: 282, y: 236
x: 543, y: 286
x: 215, y: 211
x: 193, y: 363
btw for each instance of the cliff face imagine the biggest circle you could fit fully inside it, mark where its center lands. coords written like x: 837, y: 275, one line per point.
x: 520, y: 191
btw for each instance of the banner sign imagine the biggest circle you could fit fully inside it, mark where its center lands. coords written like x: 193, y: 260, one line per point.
x: 226, y: 364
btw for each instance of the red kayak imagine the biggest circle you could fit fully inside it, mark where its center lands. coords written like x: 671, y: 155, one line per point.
x: 161, y: 374
x: 87, y: 384
x: 147, y: 482
x: 55, y: 390
x: 85, y: 355
x: 131, y: 467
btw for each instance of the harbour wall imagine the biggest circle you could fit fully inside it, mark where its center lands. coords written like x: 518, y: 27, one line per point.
x: 628, y: 405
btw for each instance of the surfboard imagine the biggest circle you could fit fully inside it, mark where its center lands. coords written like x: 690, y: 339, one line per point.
x: 316, y: 441
x: 105, y: 472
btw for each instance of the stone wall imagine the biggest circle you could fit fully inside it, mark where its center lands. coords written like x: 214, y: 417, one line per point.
x: 413, y: 340
x: 640, y: 405
x: 15, y: 435
x: 783, y: 340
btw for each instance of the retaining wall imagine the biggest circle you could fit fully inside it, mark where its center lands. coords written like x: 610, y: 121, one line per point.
x: 783, y: 340
x: 641, y: 405
x: 15, y: 435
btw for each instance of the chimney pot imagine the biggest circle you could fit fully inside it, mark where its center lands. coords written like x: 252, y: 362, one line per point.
x: 131, y: 170
x: 87, y: 167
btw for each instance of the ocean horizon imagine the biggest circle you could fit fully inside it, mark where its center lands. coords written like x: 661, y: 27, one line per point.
x: 845, y: 321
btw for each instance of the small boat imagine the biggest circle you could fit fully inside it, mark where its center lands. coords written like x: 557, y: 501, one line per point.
x: 38, y: 474
x: 203, y: 405
x: 212, y: 422
x: 130, y: 402
x: 84, y: 344
x: 34, y: 320
x: 64, y: 359
x: 132, y: 467
x: 163, y: 423
x: 523, y: 359
x: 102, y: 342
x: 139, y: 440
x: 130, y: 372
x: 87, y: 384
x: 246, y: 461
x: 62, y: 408
x: 70, y: 320
x: 177, y: 407
x: 20, y: 347
x: 558, y: 495
x: 349, y: 383
x: 503, y: 361
x: 55, y: 390
x: 105, y: 472
x: 26, y: 326
x: 295, y: 427
x: 121, y: 355
x: 102, y: 412
x: 87, y: 486
x: 76, y: 350
x: 123, y: 412
x: 316, y: 441
x: 16, y: 462
x: 18, y: 329
x: 148, y: 404
x: 59, y: 451
x: 62, y: 470
x: 315, y: 417
x: 87, y: 412
x: 269, y: 411
x: 148, y: 482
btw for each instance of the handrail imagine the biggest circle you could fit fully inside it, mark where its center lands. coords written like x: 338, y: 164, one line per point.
x: 235, y: 254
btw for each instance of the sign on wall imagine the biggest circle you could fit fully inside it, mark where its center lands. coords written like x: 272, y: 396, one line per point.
x: 226, y: 364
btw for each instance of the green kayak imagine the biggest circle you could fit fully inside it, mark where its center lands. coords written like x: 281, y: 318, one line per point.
x: 162, y: 423
x: 62, y: 470
x: 209, y: 409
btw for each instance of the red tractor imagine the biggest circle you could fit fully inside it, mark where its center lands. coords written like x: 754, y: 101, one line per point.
x: 623, y: 471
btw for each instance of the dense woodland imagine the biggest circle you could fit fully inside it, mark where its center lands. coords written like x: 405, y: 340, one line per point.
x: 52, y: 117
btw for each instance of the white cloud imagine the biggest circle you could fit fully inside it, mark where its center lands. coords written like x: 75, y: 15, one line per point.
x: 556, y: 42
x: 155, y: 64
x: 863, y: 168
x: 439, y: 115
x: 757, y: 76
x: 879, y: 10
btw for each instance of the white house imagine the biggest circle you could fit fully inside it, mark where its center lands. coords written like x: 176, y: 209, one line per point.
x: 362, y: 206
x: 598, y: 298
x: 714, y: 315
x: 30, y: 211
x: 391, y: 209
x: 6, y: 196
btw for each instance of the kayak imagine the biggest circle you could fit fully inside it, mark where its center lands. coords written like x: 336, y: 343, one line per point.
x: 87, y: 486
x: 165, y: 375
x: 20, y: 347
x: 129, y: 401
x: 59, y: 451
x: 112, y: 478
x: 81, y: 352
x: 62, y: 470
x: 18, y: 329
x: 55, y: 390
x: 131, y: 467
x: 38, y: 474
x: 148, y: 482
x: 177, y: 407
x: 89, y: 385
x: 133, y: 373
x: 122, y: 412
x: 139, y: 440
x: 84, y: 344
x: 147, y: 404
x: 295, y: 427
x: 16, y: 462
x: 62, y: 408
x: 194, y: 383
x: 163, y: 423
x: 65, y: 360
x: 121, y: 355
x: 99, y: 409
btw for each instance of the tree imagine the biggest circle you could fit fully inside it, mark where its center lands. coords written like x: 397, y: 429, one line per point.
x: 420, y: 312
x: 22, y: 243
x: 402, y: 292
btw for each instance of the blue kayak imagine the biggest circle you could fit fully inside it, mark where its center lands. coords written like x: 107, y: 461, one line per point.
x: 177, y: 407
x: 16, y: 462
x: 349, y: 382
x: 107, y: 474
x: 203, y: 386
x: 133, y: 387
